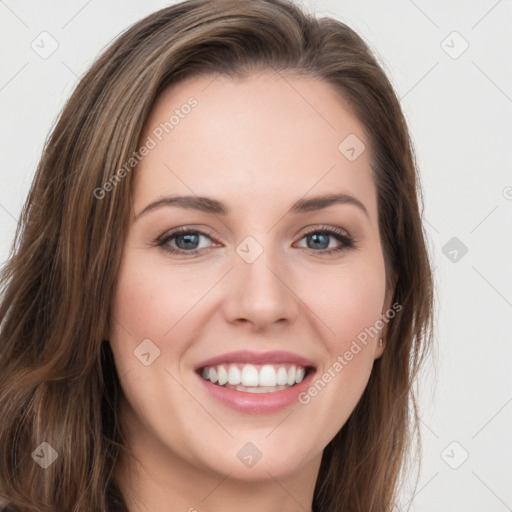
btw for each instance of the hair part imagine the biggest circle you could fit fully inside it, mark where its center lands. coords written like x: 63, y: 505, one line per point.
x: 58, y: 381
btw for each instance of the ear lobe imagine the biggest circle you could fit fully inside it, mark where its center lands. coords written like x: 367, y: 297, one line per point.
x: 379, y: 349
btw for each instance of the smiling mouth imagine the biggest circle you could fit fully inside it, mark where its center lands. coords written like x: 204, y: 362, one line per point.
x: 253, y: 378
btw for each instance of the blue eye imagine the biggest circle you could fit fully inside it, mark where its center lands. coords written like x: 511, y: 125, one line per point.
x: 321, y: 236
x: 186, y: 241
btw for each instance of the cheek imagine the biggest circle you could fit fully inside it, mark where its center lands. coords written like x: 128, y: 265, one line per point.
x: 350, y: 306
x: 348, y: 301
x: 151, y: 299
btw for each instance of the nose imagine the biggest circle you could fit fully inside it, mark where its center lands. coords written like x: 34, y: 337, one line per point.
x: 260, y: 293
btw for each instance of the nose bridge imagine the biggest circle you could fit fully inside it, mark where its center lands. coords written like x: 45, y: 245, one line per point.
x: 258, y: 291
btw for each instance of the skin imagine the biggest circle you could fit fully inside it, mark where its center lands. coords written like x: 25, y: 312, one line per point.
x: 258, y: 144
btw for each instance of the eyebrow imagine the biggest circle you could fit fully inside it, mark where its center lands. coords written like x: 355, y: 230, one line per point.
x: 209, y: 205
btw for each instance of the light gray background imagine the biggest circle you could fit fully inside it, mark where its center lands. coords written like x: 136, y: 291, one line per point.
x: 458, y: 110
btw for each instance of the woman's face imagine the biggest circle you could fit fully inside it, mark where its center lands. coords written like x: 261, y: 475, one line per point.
x: 251, y: 292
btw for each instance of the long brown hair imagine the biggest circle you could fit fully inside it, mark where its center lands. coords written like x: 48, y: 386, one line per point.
x: 58, y: 382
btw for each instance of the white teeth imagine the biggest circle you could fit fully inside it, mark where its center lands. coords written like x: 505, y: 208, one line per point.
x: 234, y: 375
x: 281, y: 376
x: 262, y: 389
x: 222, y: 375
x: 291, y: 376
x: 267, y: 376
x: 249, y: 375
x: 213, y: 375
x: 245, y: 376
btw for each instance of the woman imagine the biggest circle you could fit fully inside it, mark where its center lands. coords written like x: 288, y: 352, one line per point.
x: 220, y: 291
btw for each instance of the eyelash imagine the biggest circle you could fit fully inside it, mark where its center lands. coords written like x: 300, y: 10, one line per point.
x: 347, y: 242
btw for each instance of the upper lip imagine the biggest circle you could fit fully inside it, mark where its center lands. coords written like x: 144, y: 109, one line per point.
x: 246, y: 356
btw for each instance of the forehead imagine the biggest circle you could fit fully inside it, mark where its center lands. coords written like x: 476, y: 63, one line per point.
x: 264, y: 139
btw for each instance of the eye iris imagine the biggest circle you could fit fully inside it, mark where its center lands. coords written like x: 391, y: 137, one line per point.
x: 190, y: 238
x: 316, y: 237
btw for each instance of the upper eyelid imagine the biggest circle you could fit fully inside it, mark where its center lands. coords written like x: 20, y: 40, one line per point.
x: 208, y: 232
x: 184, y: 230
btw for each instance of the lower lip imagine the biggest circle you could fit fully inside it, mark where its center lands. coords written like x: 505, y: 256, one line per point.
x: 257, y: 403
